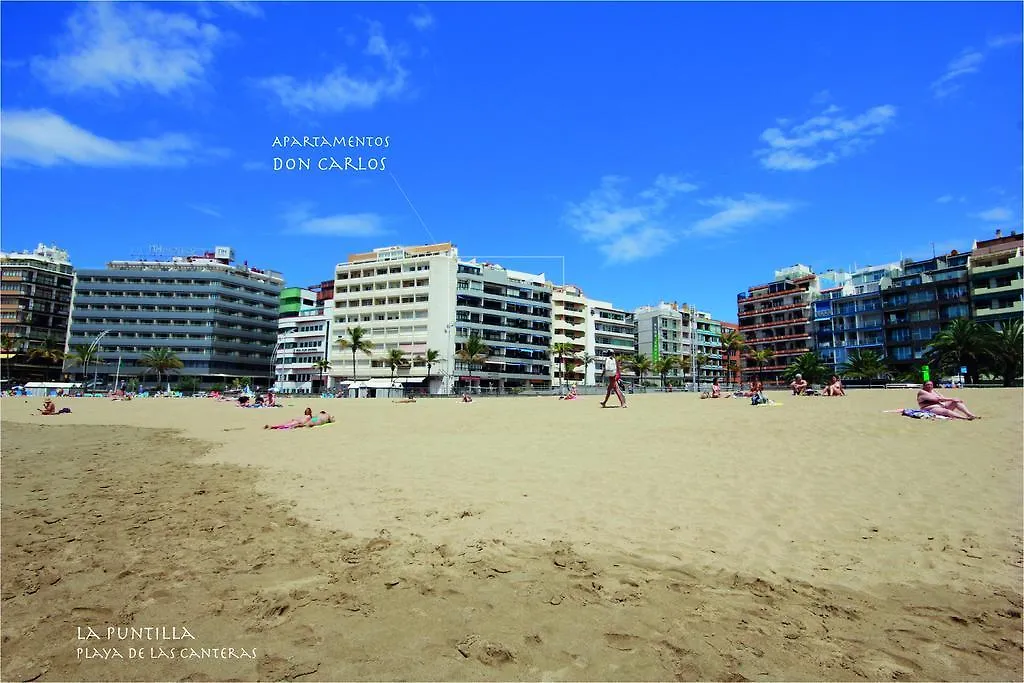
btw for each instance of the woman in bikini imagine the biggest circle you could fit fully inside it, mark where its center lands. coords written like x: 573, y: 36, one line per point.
x: 307, y: 415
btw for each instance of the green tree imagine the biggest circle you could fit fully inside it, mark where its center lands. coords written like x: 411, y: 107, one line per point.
x: 760, y: 358
x: 563, y: 351
x: 83, y: 357
x: 322, y: 366
x: 161, y: 361
x: 356, y: 342
x: 864, y: 364
x: 809, y: 365
x: 641, y: 364
x: 663, y: 366
x: 964, y: 343
x: 188, y: 384
x: 48, y: 352
x: 586, y: 360
x: 1006, y: 353
x: 395, y: 359
x: 474, y: 352
x: 732, y: 343
x: 8, y: 344
x: 430, y: 358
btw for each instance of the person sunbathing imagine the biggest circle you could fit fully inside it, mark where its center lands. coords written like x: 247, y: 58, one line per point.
x: 716, y: 390
x: 466, y: 398
x: 571, y: 396
x: 307, y: 415
x: 935, y: 403
x: 321, y: 419
x: 799, y: 385
x: 48, y: 408
x: 834, y: 387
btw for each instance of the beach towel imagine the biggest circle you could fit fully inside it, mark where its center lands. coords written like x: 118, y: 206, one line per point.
x: 918, y: 414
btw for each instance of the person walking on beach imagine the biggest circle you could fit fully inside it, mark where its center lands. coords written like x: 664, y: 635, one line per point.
x: 613, y: 374
x: 935, y: 403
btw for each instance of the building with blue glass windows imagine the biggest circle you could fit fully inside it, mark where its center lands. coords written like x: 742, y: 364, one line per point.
x: 849, y: 318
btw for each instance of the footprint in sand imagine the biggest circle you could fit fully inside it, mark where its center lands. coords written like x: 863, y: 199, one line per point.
x: 622, y: 641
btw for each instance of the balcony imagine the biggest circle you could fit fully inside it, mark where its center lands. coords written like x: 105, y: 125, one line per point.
x: 775, y: 340
x: 1016, y: 285
x: 1016, y: 308
x: 1015, y: 263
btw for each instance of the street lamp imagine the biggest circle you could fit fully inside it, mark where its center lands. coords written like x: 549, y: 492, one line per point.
x: 88, y: 356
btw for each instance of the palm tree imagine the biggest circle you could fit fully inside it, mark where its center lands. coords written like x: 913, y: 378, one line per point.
x: 161, y: 361
x: 474, y: 351
x: 395, y: 359
x: 702, y: 360
x: 760, y: 358
x: 663, y: 366
x: 732, y: 342
x: 964, y: 343
x: 430, y: 358
x: 82, y: 356
x: 1006, y: 353
x: 48, y: 352
x: 322, y: 366
x: 864, y: 364
x: 810, y: 366
x: 641, y: 364
x: 587, y: 360
x: 563, y: 351
x: 356, y: 341
x: 8, y: 343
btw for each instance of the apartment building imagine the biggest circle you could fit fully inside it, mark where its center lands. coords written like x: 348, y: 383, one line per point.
x: 404, y: 299
x: 731, y: 360
x: 219, y: 318
x: 664, y: 330
x: 612, y: 330
x: 35, y: 303
x: 777, y: 316
x: 920, y: 302
x: 303, y: 337
x: 848, y: 317
x: 708, y: 359
x: 570, y: 314
x: 512, y: 312
x: 996, y: 270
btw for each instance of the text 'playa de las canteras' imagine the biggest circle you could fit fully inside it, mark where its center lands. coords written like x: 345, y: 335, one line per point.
x: 371, y: 162
x: 116, y: 639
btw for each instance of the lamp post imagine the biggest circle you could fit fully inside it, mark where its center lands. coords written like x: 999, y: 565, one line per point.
x: 88, y: 356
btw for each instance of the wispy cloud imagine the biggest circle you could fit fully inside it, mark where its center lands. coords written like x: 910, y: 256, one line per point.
x: 301, y: 219
x: 968, y: 62
x: 945, y: 199
x: 734, y: 213
x: 996, y: 215
x: 256, y: 166
x: 625, y: 229
x: 422, y: 19
x: 339, y: 91
x: 205, y: 209
x: 822, y: 139
x: 41, y: 138
x: 116, y: 47
x: 251, y: 9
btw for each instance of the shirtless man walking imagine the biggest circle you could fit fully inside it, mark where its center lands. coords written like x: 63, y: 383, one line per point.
x: 935, y: 403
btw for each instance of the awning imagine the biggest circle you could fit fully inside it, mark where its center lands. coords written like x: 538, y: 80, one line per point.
x: 411, y: 380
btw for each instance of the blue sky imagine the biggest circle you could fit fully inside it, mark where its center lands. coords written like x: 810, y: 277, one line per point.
x: 669, y: 151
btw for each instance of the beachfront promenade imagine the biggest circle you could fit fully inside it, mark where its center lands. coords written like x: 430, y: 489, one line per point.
x: 517, y: 538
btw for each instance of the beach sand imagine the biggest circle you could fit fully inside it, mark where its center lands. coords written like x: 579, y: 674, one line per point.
x: 515, y: 538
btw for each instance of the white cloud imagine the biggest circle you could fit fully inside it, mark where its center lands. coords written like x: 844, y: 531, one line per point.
x: 115, y: 47
x: 1004, y: 40
x: 301, y: 219
x: 339, y: 91
x: 42, y: 138
x: 822, y: 139
x: 968, y: 62
x: 734, y: 213
x: 256, y: 166
x: 996, y: 215
x: 821, y: 97
x: 251, y: 9
x: 205, y: 209
x: 423, y: 19
x: 945, y: 199
x: 627, y: 229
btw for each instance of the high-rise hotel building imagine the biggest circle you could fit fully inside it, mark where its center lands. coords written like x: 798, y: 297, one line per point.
x: 219, y: 318
x: 997, y: 279
x: 570, y: 313
x: 303, y: 340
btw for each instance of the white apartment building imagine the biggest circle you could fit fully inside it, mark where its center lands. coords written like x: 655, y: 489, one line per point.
x: 664, y: 330
x: 706, y: 347
x: 303, y: 338
x: 611, y: 329
x: 570, y: 314
x: 511, y: 312
x: 404, y: 298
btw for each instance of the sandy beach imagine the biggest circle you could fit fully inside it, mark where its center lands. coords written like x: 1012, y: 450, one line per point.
x: 514, y: 538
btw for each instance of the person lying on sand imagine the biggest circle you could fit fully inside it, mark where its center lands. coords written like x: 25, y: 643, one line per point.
x: 307, y: 415
x: 406, y: 400
x: 321, y: 419
x: 935, y: 403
